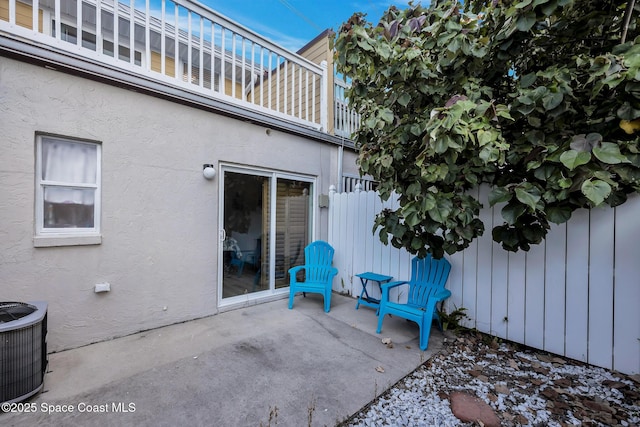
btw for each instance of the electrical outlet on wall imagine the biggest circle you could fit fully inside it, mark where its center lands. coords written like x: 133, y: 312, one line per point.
x: 102, y: 287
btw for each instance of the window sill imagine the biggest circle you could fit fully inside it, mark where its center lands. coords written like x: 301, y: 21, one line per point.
x: 51, y: 241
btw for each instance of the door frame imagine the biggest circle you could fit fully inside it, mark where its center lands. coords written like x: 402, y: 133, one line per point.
x: 271, y: 293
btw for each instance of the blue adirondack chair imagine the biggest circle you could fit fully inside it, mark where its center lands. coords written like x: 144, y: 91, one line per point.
x: 318, y: 273
x: 426, y: 289
x: 237, y: 262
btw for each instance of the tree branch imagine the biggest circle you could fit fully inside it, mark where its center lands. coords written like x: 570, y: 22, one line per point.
x: 627, y: 19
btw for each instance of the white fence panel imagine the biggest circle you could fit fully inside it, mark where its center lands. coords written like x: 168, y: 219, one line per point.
x: 600, y: 351
x: 554, y: 291
x: 577, y: 294
x: 500, y: 279
x: 577, y: 287
x: 516, y: 296
x: 484, y: 270
x: 626, y: 320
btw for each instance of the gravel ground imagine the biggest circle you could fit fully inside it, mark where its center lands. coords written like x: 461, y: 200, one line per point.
x: 521, y: 385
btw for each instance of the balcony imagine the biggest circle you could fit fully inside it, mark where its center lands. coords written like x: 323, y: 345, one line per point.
x: 346, y: 120
x: 185, y: 45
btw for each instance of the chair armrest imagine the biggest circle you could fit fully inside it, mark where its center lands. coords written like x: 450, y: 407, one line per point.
x: 294, y: 270
x: 387, y: 286
x: 393, y: 284
x: 442, y: 294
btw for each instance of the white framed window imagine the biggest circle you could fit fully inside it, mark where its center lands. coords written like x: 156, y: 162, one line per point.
x: 68, y: 190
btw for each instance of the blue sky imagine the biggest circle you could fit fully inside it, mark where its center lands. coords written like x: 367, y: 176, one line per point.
x: 293, y: 23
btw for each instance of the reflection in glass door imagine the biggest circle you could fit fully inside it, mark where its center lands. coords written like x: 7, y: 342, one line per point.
x: 260, y: 243
x: 243, y: 222
x: 292, y: 227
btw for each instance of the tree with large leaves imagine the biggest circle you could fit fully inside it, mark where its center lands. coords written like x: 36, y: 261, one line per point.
x: 539, y: 99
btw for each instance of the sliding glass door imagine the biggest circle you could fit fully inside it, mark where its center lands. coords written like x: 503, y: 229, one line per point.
x: 266, y: 224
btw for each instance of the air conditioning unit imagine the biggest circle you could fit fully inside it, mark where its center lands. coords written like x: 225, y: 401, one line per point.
x: 23, y: 349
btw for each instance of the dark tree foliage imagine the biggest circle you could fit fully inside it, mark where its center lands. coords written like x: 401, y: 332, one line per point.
x: 539, y: 99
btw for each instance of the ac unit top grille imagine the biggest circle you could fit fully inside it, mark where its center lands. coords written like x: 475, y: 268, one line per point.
x: 10, y: 311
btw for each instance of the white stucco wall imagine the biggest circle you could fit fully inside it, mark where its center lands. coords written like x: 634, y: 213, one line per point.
x: 159, y: 215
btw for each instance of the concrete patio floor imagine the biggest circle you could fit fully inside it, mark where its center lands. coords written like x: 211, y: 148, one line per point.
x: 261, y: 365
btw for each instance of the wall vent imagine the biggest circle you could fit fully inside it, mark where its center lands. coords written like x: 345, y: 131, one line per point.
x: 23, y: 349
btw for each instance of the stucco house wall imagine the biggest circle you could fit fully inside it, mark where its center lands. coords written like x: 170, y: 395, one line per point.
x: 160, y: 217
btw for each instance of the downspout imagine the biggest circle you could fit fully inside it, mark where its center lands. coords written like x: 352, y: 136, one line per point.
x: 340, y: 159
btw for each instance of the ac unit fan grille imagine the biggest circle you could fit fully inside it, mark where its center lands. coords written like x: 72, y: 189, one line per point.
x: 23, y: 356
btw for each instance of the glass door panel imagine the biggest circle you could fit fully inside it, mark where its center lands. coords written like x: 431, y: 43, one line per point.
x: 245, y: 198
x: 293, y: 227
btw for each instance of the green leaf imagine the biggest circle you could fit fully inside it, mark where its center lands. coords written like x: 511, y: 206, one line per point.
x: 499, y: 195
x: 596, y: 191
x: 543, y: 173
x: 534, y: 121
x: 417, y: 243
x: 527, y: 80
x: 526, y: 21
x: 525, y: 109
x: 387, y: 115
x: 608, y: 152
x: 507, y: 236
x: 489, y: 154
x: 559, y: 214
x: 412, y: 218
x: 539, y: 2
x: 427, y: 203
x: 442, y: 210
x: 533, y: 233
x: 584, y: 142
x: 529, y: 195
x: 565, y: 182
x: 572, y: 159
x: 386, y: 160
x: 412, y: 53
x: 365, y: 45
x: 512, y: 212
x: 552, y: 100
x: 416, y: 129
x: 627, y: 112
x: 383, y: 49
x: 485, y: 137
x: 404, y: 99
x: 616, y: 198
x: 550, y: 7
x: 441, y: 145
x: 413, y: 189
x: 522, y: 4
x: 526, y: 100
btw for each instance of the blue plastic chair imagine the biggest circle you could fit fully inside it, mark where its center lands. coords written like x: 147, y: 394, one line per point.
x: 237, y: 262
x: 426, y: 289
x: 318, y: 273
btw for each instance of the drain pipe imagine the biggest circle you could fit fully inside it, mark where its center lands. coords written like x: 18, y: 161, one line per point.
x: 340, y: 159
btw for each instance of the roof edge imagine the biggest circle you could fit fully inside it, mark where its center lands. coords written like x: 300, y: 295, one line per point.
x: 326, y: 33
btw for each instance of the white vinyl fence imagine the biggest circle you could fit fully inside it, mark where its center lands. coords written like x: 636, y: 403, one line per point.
x: 577, y: 294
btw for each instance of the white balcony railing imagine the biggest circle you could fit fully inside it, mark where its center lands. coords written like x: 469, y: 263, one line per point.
x: 346, y: 120
x: 179, y: 42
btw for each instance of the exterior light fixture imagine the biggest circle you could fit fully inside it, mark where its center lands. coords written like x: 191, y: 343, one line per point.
x: 208, y: 171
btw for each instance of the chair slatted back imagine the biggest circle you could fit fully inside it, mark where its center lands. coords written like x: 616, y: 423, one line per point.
x: 318, y: 257
x: 428, y: 275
